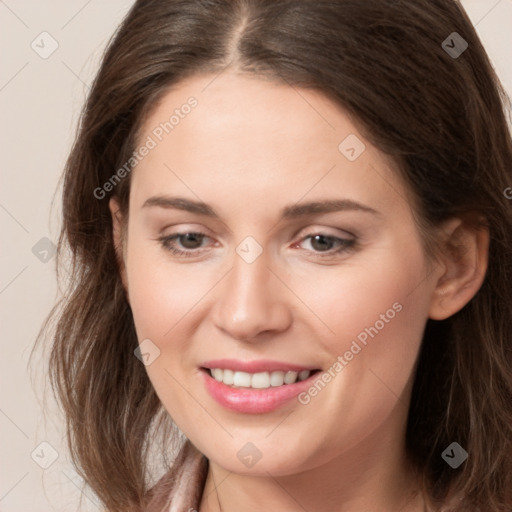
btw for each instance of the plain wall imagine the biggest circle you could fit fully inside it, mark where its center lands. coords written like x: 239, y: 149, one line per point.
x: 40, y: 100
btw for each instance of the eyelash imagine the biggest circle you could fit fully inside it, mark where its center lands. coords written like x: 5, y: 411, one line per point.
x: 345, y: 244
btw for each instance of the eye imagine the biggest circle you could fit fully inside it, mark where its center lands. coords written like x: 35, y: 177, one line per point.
x: 190, y: 241
x: 327, y: 245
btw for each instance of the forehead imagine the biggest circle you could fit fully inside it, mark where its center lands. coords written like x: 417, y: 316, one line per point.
x: 252, y: 139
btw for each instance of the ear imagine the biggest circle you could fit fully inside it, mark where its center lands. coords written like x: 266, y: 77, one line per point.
x: 118, y: 239
x: 464, y: 259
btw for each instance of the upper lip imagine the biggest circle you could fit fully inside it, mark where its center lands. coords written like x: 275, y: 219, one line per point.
x: 262, y: 365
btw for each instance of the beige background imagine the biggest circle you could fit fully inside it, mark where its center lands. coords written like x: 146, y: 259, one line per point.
x: 40, y: 100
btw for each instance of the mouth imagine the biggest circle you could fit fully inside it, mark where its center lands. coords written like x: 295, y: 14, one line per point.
x: 256, y: 392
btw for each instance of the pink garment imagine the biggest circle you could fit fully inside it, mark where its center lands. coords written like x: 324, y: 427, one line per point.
x: 180, y: 489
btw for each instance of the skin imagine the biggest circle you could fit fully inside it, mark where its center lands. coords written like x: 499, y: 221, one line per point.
x: 250, y: 148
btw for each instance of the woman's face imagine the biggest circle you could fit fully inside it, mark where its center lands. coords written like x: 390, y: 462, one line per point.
x: 302, y: 255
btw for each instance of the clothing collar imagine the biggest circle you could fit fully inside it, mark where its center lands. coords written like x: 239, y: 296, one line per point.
x: 181, y: 488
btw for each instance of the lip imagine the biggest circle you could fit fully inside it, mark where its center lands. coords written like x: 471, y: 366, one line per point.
x: 262, y: 365
x: 254, y: 401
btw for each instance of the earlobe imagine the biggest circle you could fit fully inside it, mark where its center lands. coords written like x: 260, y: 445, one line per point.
x: 118, y: 239
x: 464, y: 259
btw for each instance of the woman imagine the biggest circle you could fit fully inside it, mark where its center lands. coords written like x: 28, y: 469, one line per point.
x: 290, y: 251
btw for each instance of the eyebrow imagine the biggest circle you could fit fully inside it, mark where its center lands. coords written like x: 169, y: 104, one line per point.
x: 289, y: 212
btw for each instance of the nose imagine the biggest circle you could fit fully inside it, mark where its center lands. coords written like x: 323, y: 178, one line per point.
x: 251, y: 301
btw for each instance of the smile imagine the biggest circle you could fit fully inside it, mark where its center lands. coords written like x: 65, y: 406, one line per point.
x: 255, y: 387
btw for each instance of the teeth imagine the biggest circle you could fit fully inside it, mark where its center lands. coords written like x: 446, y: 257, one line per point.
x: 241, y: 379
x: 277, y: 379
x: 290, y: 377
x: 304, y: 374
x: 227, y: 376
x: 261, y: 380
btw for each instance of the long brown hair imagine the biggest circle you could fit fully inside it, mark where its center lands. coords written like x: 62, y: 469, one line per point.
x: 439, y: 115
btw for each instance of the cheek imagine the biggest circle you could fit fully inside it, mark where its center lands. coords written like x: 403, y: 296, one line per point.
x: 162, y: 301
x: 160, y: 296
x: 380, y: 291
x: 375, y: 313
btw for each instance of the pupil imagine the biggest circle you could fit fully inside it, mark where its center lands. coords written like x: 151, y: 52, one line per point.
x: 322, y: 239
x: 190, y: 240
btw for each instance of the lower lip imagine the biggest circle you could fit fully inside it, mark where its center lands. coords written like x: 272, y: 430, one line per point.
x: 254, y: 401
